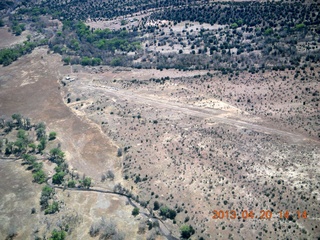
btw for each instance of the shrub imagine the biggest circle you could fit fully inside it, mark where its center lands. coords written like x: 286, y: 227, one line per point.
x: 52, y: 136
x: 135, y: 211
x: 72, y: 184
x: 156, y: 205
x: 186, y: 231
x: 107, y: 229
x: 58, y: 235
x: 39, y: 176
x: 58, y: 178
x: 52, y: 208
x: 94, y: 229
x: 86, y: 182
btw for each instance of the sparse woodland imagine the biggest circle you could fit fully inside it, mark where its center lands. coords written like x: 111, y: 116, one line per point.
x: 250, y: 36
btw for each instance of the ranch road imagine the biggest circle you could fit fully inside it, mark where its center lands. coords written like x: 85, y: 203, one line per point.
x: 212, y: 115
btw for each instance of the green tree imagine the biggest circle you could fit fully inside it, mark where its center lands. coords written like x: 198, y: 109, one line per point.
x: 72, y: 184
x: 42, y: 145
x: 9, y: 148
x: 18, y: 118
x: 46, y: 194
x: 135, y: 211
x: 22, y: 134
x: 234, y: 25
x: 57, y: 156
x: 300, y: 26
x: 58, y: 178
x: 29, y: 159
x: 86, y: 182
x: 52, y: 208
x: 52, y: 136
x: 268, y: 31
x: 67, y: 60
x: 171, y: 214
x: 39, y: 177
x: 186, y: 231
x: 156, y: 205
x: 37, y: 166
x: 164, y: 210
x: 41, y: 130
x: 21, y: 145
x: 47, y: 191
x: 58, y: 235
x: 33, y: 146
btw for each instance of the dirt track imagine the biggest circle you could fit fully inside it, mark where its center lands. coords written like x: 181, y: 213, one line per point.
x: 212, y: 115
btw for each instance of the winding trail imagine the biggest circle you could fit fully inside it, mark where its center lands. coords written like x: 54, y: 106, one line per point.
x: 162, y: 226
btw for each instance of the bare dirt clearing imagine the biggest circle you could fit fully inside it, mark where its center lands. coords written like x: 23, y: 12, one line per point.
x: 8, y: 39
x: 30, y: 87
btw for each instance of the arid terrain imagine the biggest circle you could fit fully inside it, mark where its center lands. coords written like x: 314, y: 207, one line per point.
x: 193, y: 146
x: 209, y: 131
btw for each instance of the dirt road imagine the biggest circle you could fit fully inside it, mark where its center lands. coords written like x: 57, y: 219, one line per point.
x: 212, y: 115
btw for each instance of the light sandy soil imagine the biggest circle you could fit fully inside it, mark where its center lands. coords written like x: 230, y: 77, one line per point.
x: 35, y: 94
x: 8, y: 39
x: 18, y: 196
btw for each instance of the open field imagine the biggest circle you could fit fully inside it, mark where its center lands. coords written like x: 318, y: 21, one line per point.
x: 88, y: 151
x: 8, y: 39
x: 32, y: 89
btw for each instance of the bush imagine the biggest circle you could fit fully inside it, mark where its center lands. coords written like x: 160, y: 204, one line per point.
x: 58, y: 235
x: 135, y: 211
x: 119, y: 153
x: 58, y: 178
x: 186, y: 231
x: 156, y: 205
x: 110, y: 175
x: 86, y: 182
x: 52, y: 208
x: 72, y: 184
x: 164, y: 210
x: 39, y: 176
x: 47, y: 191
x: 52, y: 136
x: 107, y: 229
x: 94, y: 229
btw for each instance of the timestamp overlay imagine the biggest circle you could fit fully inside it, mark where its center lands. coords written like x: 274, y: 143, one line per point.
x: 260, y: 214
